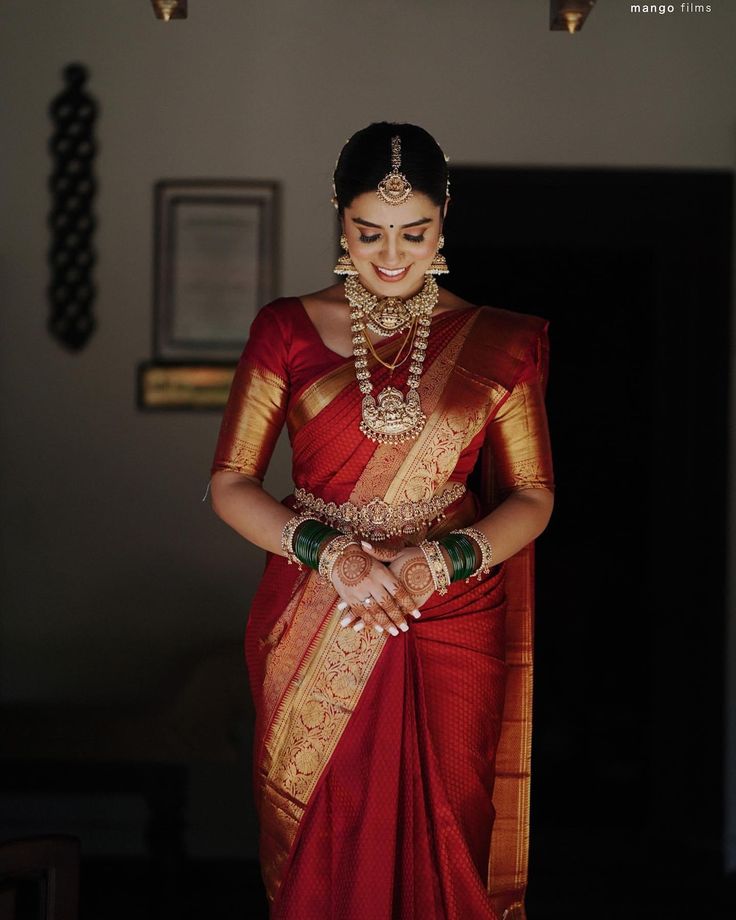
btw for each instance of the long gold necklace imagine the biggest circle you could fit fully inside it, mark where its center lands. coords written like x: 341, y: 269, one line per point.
x: 390, y: 418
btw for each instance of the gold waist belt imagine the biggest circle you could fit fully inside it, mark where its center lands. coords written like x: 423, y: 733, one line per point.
x: 378, y: 520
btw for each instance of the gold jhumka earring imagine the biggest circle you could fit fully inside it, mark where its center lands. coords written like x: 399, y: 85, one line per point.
x: 345, y: 263
x: 438, y: 265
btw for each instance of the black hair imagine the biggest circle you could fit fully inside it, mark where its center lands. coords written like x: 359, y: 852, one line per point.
x: 366, y: 158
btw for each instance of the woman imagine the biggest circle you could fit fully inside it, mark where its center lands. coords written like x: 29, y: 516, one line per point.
x: 392, y: 694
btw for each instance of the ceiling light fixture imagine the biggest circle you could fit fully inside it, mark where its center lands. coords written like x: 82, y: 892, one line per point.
x: 569, y: 15
x: 170, y: 9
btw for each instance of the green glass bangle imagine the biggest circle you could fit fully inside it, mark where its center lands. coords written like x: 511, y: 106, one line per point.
x: 452, y: 550
x: 463, y: 570
x: 308, y: 539
x: 305, y: 549
x: 302, y: 541
x: 471, y: 561
x: 457, y: 561
x: 462, y: 553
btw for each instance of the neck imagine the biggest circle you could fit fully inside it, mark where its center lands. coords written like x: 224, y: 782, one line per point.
x: 380, y: 294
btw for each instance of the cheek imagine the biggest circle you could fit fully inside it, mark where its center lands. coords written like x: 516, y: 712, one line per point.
x: 424, y: 251
x: 363, y: 253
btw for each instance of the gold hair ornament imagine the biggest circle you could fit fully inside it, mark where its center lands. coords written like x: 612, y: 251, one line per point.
x: 394, y: 188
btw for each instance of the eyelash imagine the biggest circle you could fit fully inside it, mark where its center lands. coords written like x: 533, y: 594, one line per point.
x: 407, y: 236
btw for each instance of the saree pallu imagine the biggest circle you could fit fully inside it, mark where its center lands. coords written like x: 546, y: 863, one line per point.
x: 391, y: 774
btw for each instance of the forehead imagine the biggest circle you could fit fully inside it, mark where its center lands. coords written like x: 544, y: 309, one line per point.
x: 369, y: 206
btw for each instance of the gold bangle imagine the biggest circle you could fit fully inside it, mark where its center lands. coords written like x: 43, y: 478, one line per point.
x: 486, y: 551
x: 331, y: 553
x: 437, y: 565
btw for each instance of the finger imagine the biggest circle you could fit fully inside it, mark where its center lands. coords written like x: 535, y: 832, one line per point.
x: 402, y: 599
x: 358, y: 613
x: 379, y: 619
x: 345, y: 609
x: 406, y: 601
x: 368, y: 618
x: 392, y: 610
x: 376, y: 617
x: 386, y: 553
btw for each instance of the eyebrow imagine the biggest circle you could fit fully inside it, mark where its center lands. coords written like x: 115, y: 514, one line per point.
x: 414, y: 223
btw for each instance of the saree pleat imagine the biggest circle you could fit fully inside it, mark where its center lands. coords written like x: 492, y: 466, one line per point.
x: 391, y: 774
x: 412, y: 741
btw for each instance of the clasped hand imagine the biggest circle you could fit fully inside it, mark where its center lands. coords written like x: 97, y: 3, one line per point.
x: 397, y: 580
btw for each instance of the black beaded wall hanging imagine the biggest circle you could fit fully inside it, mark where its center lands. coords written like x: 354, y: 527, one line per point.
x: 71, y: 255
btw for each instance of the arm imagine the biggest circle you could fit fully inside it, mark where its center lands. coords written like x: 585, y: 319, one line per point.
x: 241, y: 502
x: 251, y: 423
x: 519, y: 441
x: 518, y: 520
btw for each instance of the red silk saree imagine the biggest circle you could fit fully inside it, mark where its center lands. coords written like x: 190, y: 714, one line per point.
x: 392, y: 774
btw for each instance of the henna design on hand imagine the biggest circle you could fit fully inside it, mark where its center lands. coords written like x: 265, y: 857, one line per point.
x: 404, y: 598
x: 353, y: 566
x: 387, y: 549
x: 415, y: 576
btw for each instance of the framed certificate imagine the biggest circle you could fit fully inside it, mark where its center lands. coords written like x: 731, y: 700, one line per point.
x: 215, y: 265
x: 183, y: 386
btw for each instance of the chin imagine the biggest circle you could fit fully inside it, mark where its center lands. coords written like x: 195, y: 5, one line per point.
x: 405, y: 286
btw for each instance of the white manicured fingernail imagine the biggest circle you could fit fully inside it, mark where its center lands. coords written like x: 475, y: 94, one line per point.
x: 378, y: 628
x: 345, y: 620
x: 359, y: 625
x: 342, y: 605
x: 393, y: 630
x: 404, y: 626
x: 416, y: 614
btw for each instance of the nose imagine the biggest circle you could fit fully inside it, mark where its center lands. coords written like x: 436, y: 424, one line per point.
x: 391, y: 251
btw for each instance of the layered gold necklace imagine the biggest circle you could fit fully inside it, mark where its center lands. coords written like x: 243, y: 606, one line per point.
x: 391, y: 417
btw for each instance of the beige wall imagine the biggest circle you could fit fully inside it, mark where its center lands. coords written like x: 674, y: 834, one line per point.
x: 112, y: 566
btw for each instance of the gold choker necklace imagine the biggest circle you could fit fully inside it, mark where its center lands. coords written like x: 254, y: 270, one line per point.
x: 391, y: 418
x: 389, y: 315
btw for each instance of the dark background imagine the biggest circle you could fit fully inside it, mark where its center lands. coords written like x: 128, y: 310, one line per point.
x: 632, y: 269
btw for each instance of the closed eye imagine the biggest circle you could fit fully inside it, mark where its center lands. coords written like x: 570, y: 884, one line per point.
x: 407, y: 236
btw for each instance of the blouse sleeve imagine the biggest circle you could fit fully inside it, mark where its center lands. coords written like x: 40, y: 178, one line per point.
x: 518, y: 433
x: 257, y: 404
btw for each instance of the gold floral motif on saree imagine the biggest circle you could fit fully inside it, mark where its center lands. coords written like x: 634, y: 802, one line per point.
x: 314, y: 685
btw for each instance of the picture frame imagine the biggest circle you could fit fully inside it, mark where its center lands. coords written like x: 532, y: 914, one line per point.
x: 183, y: 387
x: 215, y: 265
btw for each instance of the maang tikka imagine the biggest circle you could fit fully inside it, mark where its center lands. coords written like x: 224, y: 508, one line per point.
x: 394, y: 188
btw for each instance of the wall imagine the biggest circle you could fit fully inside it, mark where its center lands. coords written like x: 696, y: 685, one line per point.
x: 112, y: 566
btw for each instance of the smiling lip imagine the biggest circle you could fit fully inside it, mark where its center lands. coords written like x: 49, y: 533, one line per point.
x: 385, y: 277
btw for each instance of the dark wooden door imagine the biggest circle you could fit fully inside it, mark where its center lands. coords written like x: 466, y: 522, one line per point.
x: 632, y: 268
